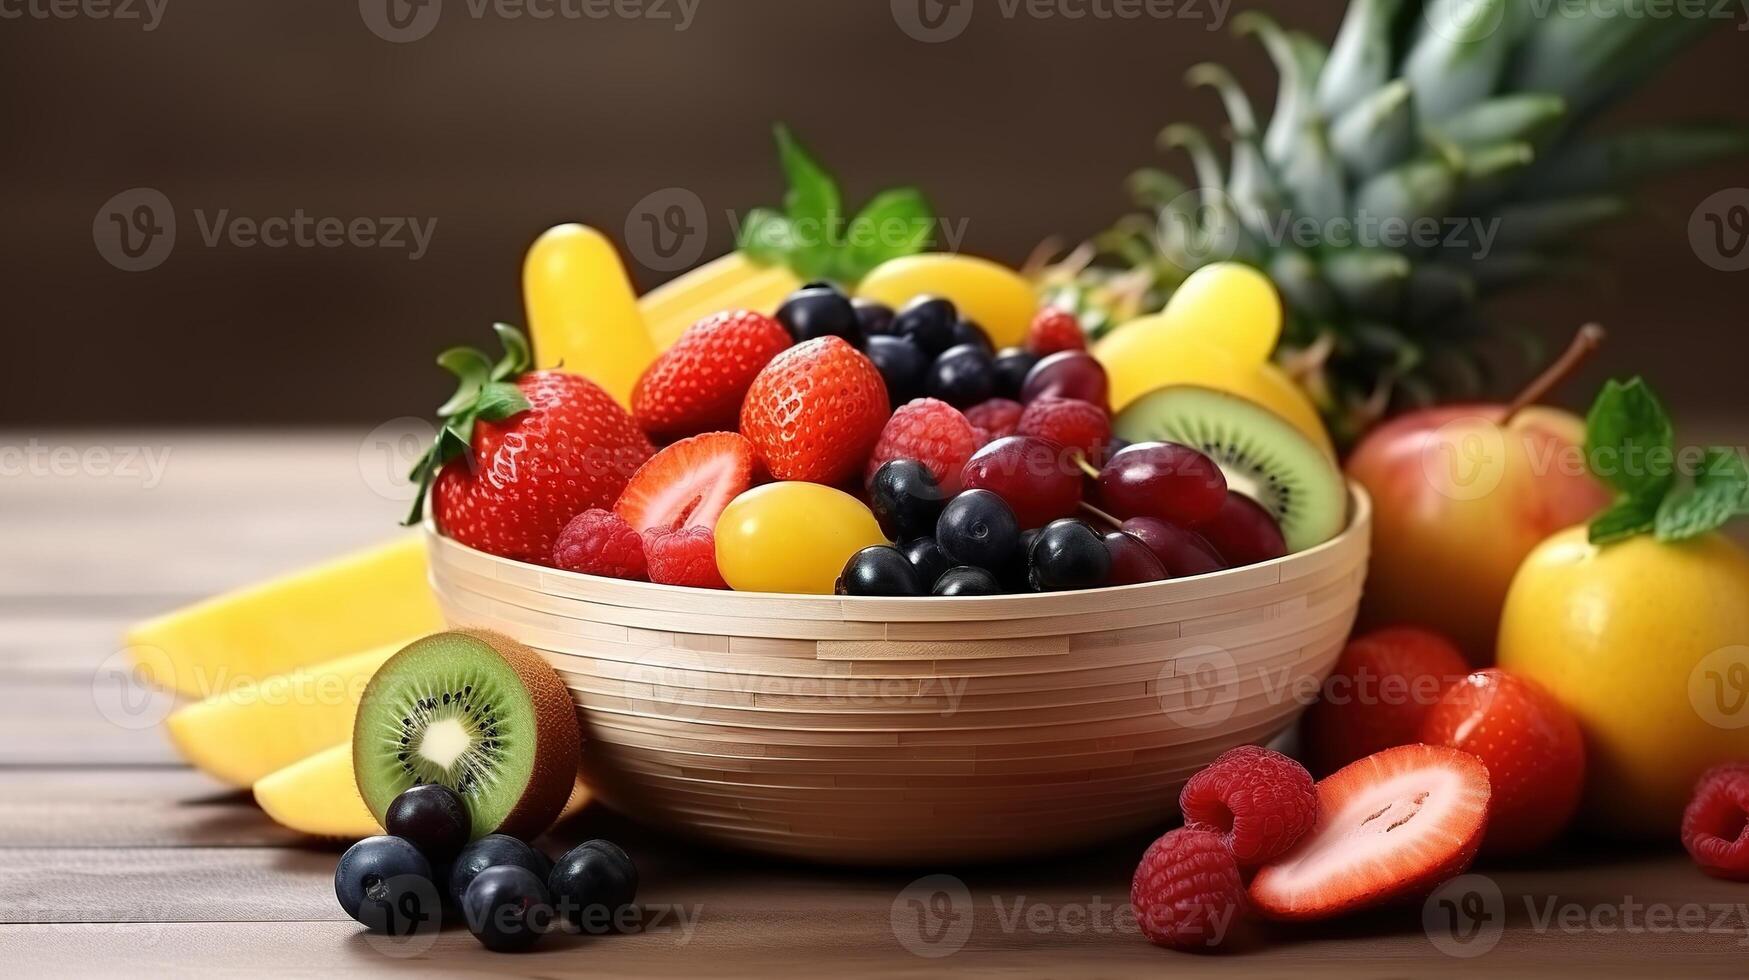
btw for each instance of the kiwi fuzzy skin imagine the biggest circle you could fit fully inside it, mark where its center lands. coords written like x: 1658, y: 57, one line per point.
x: 559, y: 748
x: 558, y: 739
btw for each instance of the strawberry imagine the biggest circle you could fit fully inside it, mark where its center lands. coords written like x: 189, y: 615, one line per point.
x: 689, y: 483
x: 1384, y: 683
x: 815, y: 412
x: 520, y: 454
x: 698, y: 384
x: 1055, y: 330
x: 1392, y: 826
x: 1531, y: 746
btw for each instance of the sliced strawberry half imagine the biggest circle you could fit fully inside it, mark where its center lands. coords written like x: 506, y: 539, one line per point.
x: 689, y: 483
x: 1390, y: 826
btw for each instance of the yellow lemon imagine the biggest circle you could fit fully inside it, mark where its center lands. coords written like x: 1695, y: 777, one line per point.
x: 994, y: 296
x: 1647, y: 643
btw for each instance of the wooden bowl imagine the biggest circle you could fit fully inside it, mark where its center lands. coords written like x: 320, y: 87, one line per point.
x: 882, y: 731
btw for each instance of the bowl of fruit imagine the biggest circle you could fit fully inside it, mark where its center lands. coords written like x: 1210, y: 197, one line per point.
x: 885, y: 580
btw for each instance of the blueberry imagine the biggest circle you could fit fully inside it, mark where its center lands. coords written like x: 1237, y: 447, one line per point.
x: 876, y: 318
x: 925, y: 555
x: 507, y: 909
x: 1068, y: 555
x: 905, y: 499
x: 819, y: 311
x: 385, y: 883
x: 826, y: 284
x: 879, y: 570
x: 492, y: 851
x: 433, y: 818
x: 902, y: 366
x: 929, y: 322
x: 968, y: 332
x: 1014, y: 575
x: 978, y: 528
x: 962, y: 376
x: 1010, y: 367
x: 594, y: 884
x: 966, y: 580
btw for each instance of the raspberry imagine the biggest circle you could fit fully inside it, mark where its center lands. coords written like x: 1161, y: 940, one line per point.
x: 999, y: 417
x: 932, y: 432
x: 1260, y: 803
x: 683, y: 556
x: 1055, y: 330
x: 1715, y: 827
x: 597, y: 542
x: 1187, y: 892
x: 1070, y: 423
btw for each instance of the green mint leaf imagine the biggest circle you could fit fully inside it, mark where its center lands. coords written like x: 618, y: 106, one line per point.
x: 765, y: 237
x: 812, y: 205
x: 1628, y: 441
x: 1717, y: 495
x: 896, y: 223
x: 1624, y: 519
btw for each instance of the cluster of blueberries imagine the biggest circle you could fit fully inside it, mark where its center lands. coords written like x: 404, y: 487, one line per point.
x: 507, y: 891
x: 924, y: 350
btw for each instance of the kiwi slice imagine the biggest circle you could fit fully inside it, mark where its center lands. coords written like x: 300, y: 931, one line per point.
x: 1263, y: 456
x: 479, y: 713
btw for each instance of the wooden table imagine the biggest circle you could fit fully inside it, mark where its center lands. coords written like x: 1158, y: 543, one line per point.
x: 118, y: 860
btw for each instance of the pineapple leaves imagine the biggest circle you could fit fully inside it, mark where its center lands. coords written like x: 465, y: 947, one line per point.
x: 1458, y: 59
x: 1361, y: 60
x: 1378, y: 132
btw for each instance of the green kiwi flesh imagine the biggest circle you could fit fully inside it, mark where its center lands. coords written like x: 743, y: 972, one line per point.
x: 478, y: 713
x: 1262, y: 455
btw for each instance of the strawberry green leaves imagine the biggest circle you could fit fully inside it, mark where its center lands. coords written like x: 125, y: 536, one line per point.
x: 485, y: 390
x: 1630, y: 445
x: 811, y: 234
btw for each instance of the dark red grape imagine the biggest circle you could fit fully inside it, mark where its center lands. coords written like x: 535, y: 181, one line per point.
x: 1182, y: 552
x: 1037, y: 478
x: 1243, y: 532
x: 1068, y: 374
x: 1131, y: 561
x: 1174, y: 483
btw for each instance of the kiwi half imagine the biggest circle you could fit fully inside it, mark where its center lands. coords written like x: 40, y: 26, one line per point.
x: 479, y: 713
x: 1261, y: 454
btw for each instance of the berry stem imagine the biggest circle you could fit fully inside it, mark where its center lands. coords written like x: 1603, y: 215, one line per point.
x: 1585, y: 342
x: 1102, y: 515
x: 1086, y: 467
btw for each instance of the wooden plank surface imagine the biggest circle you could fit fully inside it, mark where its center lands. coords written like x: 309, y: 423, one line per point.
x: 115, y: 860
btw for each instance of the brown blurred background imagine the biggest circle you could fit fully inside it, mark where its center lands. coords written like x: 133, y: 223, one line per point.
x: 496, y: 127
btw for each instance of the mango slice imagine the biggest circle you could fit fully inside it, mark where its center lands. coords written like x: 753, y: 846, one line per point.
x: 318, y: 796
x: 352, y: 604
x: 246, y: 733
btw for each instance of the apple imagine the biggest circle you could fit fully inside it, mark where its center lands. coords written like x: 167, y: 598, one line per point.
x: 1461, y: 494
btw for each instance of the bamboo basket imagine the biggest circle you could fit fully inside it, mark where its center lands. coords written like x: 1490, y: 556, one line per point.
x: 891, y: 731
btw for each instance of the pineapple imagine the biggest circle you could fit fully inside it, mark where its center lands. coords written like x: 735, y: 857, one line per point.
x: 1430, y: 158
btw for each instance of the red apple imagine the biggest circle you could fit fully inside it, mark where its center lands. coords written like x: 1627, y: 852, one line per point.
x: 1461, y: 495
